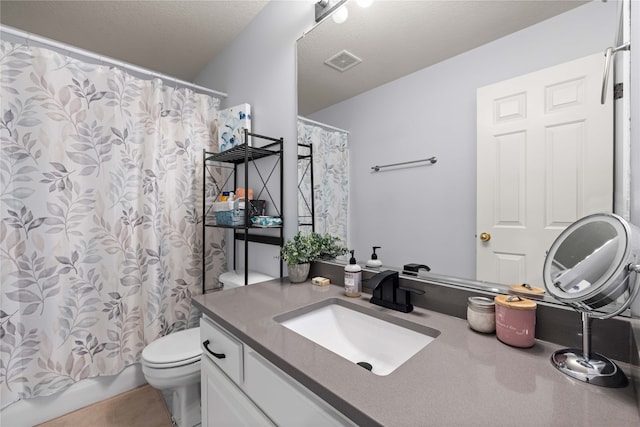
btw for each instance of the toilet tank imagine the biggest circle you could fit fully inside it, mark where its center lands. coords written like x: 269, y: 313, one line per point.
x: 234, y: 279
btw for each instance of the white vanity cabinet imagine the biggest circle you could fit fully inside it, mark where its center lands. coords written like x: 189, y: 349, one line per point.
x: 241, y: 388
x: 222, y: 400
x: 224, y: 404
x: 287, y: 402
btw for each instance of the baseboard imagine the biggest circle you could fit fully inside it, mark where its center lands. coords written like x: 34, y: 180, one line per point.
x: 28, y: 412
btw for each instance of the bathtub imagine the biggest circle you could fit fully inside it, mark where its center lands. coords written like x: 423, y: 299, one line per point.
x: 26, y: 413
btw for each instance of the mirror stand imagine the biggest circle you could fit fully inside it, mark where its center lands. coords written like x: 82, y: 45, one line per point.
x: 593, y: 267
x: 594, y: 368
x: 586, y: 366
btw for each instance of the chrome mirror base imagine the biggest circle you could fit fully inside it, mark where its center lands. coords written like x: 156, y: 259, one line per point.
x: 597, y: 370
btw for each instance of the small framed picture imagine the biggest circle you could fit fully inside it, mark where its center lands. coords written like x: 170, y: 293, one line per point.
x: 231, y: 125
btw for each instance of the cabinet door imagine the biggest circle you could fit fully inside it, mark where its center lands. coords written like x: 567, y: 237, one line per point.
x: 287, y: 402
x: 223, y: 404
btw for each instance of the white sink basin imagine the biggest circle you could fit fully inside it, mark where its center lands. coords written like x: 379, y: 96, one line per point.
x: 347, y: 331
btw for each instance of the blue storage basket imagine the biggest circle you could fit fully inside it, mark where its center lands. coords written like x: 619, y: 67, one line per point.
x: 228, y: 213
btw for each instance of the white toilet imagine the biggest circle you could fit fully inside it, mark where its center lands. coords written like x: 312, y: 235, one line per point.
x: 235, y: 279
x: 172, y: 364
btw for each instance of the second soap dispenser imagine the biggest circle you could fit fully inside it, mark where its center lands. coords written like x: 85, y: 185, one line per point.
x: 374, y: 261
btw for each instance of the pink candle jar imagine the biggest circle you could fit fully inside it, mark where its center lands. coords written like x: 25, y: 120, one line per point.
x: 515, y: 320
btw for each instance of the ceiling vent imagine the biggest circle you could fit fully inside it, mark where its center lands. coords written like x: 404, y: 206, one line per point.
x: 343, y: 60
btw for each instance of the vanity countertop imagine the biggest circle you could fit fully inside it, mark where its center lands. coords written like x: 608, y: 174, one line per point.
x: 462, y: 378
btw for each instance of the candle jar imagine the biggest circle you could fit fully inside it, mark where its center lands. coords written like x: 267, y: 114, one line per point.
x: 481, y: 314
x: 516, y: 320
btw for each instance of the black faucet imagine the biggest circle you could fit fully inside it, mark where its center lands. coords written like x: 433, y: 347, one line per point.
x: 412, y: 269
x: 387, y: 292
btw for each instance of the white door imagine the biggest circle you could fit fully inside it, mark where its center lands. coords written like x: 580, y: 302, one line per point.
x: 545, y: 159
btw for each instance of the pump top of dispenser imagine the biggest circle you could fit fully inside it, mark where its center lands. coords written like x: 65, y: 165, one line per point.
x: 353, y: 266
x: 374, y: 261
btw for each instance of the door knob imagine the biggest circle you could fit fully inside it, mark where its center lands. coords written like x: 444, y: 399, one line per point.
x: 485, y: 237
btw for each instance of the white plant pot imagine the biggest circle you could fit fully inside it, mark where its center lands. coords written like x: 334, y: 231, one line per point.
x: 298, y: 273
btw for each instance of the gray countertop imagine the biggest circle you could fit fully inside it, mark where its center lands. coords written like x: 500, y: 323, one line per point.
x: 462, y: 378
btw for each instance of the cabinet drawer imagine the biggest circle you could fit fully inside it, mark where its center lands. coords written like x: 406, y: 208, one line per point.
x: 222, y: 348
x: 283, y: 399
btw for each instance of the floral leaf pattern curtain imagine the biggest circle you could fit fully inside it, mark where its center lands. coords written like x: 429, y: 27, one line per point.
x: 330, y: 178
x: 100, y: 202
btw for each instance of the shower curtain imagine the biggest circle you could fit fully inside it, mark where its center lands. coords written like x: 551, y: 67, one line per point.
x: 330, y: 178
x: 100, y: 202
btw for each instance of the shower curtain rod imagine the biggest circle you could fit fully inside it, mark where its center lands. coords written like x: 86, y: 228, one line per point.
x: 30, y: 37
x: 313, y: 122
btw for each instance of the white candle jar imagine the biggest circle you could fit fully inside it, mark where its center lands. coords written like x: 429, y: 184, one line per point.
x: 481, y: 314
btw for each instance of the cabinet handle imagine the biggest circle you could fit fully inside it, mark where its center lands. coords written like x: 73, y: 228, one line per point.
x: 216, y: 355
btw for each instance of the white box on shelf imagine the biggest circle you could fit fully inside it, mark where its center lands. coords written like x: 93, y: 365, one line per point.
x: 231, y: 125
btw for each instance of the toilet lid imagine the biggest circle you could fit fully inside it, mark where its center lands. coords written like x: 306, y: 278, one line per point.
x: 178, y: 348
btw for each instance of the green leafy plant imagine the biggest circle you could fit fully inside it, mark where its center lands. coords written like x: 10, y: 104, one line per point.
x: 305, y: 248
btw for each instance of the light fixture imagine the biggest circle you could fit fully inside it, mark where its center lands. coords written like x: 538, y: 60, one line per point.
x: 325, y: 7
x: 341, y: 14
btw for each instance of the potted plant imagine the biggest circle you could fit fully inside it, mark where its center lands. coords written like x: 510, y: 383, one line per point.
x: 303, y: 249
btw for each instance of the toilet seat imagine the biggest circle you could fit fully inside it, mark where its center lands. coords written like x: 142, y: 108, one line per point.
x: 177, y: 349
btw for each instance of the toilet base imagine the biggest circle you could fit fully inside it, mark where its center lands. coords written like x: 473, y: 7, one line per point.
x: 186, y: 406
x: 171, y: 364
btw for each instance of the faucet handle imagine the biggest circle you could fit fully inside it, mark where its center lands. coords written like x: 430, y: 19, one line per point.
x: 403, y: 298
x: 412, y: 290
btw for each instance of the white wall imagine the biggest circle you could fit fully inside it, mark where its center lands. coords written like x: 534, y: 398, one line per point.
x: 634, y: 92
x: 259, y: 67
x: 432, y: 113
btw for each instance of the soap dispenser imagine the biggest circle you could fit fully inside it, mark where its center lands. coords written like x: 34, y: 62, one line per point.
x: 374, y: 261
x: 352, y: 278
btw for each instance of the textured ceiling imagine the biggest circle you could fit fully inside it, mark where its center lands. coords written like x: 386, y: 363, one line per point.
x: 396, y: 38
x: 177, y: 38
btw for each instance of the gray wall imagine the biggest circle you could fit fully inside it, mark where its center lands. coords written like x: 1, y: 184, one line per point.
x: 259, y: 68
x: 634, y: 91
x: 433, y: 113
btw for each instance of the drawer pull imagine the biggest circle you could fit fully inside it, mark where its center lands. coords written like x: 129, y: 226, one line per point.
x: 216, y: 355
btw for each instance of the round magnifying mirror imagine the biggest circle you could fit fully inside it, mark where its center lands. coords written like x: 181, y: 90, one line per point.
x: 593, y: 267
x: 586, y: 266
